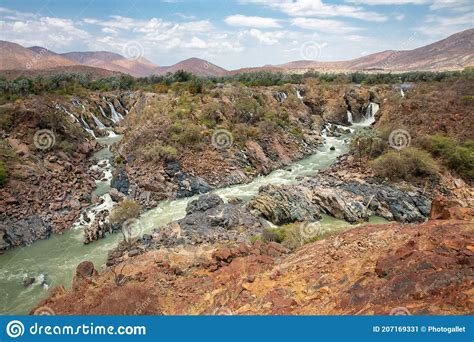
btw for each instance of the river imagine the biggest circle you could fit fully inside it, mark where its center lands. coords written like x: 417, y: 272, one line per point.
x: 53, y: 261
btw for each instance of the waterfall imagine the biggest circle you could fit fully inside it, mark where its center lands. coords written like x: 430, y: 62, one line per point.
x: 116, y: 116
x: 349, y: 117
x: 402, y: 93
x: 99, y: 124
x: 103, y: 113
x: 87, y: 127
x: 67, y: 112
x: 370, y: 112
x: 298, y: 94
x: 281, y: 96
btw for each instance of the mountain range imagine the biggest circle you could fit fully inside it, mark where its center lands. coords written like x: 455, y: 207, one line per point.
x: 453, y: 53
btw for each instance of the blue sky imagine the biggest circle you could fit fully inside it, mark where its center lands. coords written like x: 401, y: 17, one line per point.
x: 233, y: 34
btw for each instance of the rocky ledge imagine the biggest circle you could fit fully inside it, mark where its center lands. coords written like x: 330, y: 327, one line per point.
x: 421, y: 269
x: 353, y: 201
x: 208, y: 220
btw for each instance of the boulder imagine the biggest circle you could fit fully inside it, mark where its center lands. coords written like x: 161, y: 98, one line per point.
x: 189, y: 185
x: 120, y: 181
x: 203, y: 203
x: 23, y: 232
x: 444, y: 209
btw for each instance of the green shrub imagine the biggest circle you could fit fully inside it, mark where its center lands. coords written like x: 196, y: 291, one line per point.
x: 3, y: 173
x: 211, y: 115
x: 407, y: 164
x: 367, y: 142
x: 248, y: 110
x: 186, y: 133
x: 158, y: 151
x: 6, y: 120
x: 127, y: 209
x: 439, y: 146
x: 462, y: 161
x: 459, y: 158
x: 119, y: 159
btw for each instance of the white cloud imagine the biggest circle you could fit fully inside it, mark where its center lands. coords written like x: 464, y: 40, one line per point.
x: 317, y: 8
x: 268, y: 38
x: 250, y: 21
x: 453, y: 5
x: 109, y: 30
x: 441, y: 26
x: 399, y: 17
x: 51, y: 32
x: 388, y: 2
x: 324, y: 25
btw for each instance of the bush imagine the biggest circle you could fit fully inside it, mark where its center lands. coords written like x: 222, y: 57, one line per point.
x: 459, y: 158
x: 3, y: 173
x: 125, y: 210
x: 158, y: 151
x: 408, y: 164
x: 186, y: 133
x: 367, y: 142
x: 248, y: 110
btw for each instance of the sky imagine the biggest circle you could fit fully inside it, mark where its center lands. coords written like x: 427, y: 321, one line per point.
x: 233, y: 34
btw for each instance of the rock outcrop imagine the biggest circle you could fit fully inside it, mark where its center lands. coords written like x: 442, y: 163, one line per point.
x: 208, y: 220
x: 427, y: 269
x: 353, y: 201
x: 23, y: 232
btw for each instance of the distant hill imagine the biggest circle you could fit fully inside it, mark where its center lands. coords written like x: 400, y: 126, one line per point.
x: 196, y: 66
x: 112, y: 61
x: 453, y: 53
x: 16, y: 57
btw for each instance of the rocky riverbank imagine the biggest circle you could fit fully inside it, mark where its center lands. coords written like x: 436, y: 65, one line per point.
x: 47, y: 146
x: 422, y: 269
x: 353, y: 201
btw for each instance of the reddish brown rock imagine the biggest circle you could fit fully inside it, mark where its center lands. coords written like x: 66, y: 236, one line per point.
x: 445, y: 209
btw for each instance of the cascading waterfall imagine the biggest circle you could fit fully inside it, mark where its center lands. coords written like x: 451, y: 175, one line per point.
x: 116, y: 116
x: 98, y: 123
x: 402, y: 93
x: 67, y: 112
x: 298, y: 94
x: 369, y: 117
x: 349, y: 117
x: 87, y: 127
x: 281, y: 96
x: 103, y: 113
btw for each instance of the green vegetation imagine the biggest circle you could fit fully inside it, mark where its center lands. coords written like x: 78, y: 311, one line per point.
x: 454, y: 156
x: 181, y: 81
x: 125, y: 210
x: 408, y: 164
x: 158, y: 151
x: 3, y: 173
x: 367, y: 143
x: 185, y: 133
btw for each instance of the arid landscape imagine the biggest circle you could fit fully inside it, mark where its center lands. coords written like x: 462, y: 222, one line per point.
x: 301, y: 188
